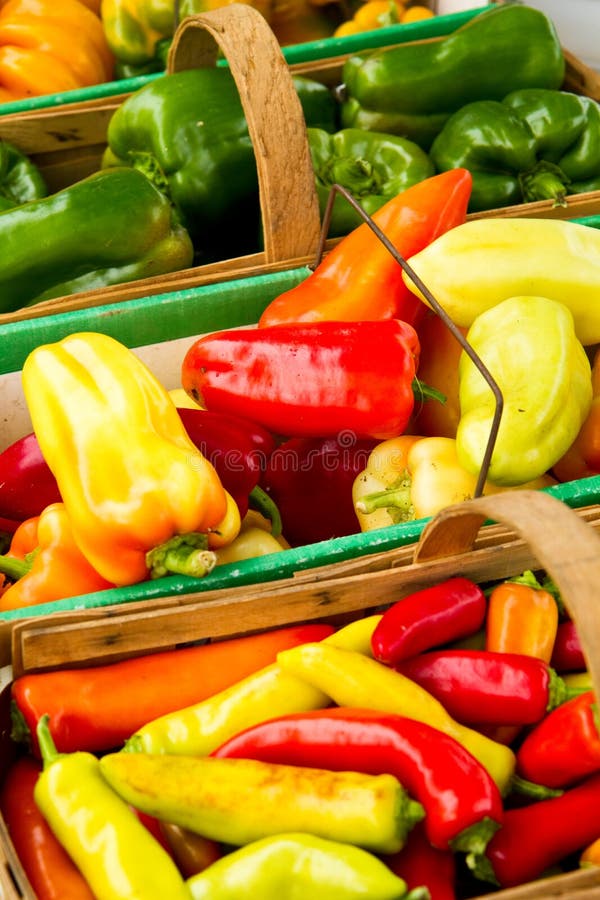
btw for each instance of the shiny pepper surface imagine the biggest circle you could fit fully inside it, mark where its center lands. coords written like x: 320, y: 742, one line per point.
x: 289, y: 866
x: 48, y: 46
x: 129, y: 475
x: 529, y: 346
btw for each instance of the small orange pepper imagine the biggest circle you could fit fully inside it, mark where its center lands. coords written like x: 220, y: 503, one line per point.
x: 522, y: 618
x: 582, y: 459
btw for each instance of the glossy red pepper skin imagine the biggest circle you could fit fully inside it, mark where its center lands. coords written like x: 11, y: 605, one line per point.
x: 314, y: 379
x: 564, y: 746
x: 422, y: 865
x: 462, y: 803
x: 98, y: 708
x: 567, y: 653
x: 237, y: 448
x: 481, y: 687
x: 437, y: 615
x: 533, y: 838
x: 310, y: 480
x: 49, y: 869
x: 27, y: 485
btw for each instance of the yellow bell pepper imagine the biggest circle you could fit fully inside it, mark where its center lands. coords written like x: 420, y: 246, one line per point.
x: 411, y: 477
x: 50, y: 46
x: 255, y: 539
x: 130, y: 477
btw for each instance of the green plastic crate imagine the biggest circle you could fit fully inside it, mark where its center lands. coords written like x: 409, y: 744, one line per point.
x: 183, y: 315
x: 437, y: 26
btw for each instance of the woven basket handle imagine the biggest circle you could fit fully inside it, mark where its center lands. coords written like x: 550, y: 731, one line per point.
x: 565, y: 546
x: 288, y: 197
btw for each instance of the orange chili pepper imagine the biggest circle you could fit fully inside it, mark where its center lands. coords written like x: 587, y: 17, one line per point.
x: 522, y: 618
x: 58, y: 568
x: 582, y: 459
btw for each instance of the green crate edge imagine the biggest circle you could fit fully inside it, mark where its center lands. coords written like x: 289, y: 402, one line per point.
x: 258, y: 290
x: 437, y: 26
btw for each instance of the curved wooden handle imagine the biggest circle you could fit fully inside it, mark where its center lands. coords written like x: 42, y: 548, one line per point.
x: 566, y: 547
x: 288, y: 197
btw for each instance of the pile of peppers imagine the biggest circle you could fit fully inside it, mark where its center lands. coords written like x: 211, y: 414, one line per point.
x: 406, y: 755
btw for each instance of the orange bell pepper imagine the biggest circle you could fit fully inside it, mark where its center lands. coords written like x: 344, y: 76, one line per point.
x: 522, y: 618
x: 582, y: 459
x: 55, y: 569
x: 438, y: 368
x: 50, y: 46
x: 142, y: 499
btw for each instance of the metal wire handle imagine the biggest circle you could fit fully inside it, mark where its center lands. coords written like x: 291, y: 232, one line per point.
x: 440, y: 311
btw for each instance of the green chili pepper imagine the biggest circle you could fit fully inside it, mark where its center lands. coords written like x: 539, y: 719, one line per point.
x: 529, y: 346
x: 536, y: 144
x: 288, y: 866
x: 412, y: 89
x: 109, y: 228
x: 188, y: 134
x: 237, y: 801
x: 115, y: 853
x: 373, y: 167
x: 20, y: 179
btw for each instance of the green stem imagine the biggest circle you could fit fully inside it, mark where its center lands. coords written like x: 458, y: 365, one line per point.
x: 545, y: 182
x: 424, y: 391
x: 531, y: 789
x: 396, y: 497
x: 14, y: 568
x: 46, y: 743
x: 266, y: 506
x: 184, y: 554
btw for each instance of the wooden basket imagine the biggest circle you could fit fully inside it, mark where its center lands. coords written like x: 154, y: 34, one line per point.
x: 453, y: 543
x: 67, y: 144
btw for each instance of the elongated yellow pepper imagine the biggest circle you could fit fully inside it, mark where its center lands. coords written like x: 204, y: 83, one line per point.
x: 130, y: 477
x: 484, y: 261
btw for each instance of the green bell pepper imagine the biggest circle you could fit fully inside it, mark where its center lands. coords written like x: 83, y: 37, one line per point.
x: 187, y: 132
x: 529, y: 346
x: 20, y: 179
x: 412, y: 89
x: 373, y: 167
x: 109, y: 228
x: 288, y: 866
x: 536, y: 144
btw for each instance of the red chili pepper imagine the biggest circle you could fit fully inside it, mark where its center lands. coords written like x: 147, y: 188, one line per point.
x: 567, y: 653
x: 98, y: 708
x: 310, y: 480
x: 429, y: 618
x: 359, y: 279
x: 463, y: 805
x: 27, y: 485
x: 317, y: 379
x: 535, y: 837
x: 49, y: 869
x: 481, y: 687
x: 564, y: 746
x: 237, y: 448
x: 422, y: 865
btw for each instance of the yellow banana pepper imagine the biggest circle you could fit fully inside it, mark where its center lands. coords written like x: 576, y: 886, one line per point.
x: 412, y: 477
x: 134, y: 485
x: 480, y: 263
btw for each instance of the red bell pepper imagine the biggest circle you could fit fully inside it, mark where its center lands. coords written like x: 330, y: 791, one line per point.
x: 237, y: 448
x: 445, y: 612
x: 422, y: 865
x: 98, y: 708
x: 359, y: 279
x: 27, y: 485
x: 310, y: 480
x: 564, y: 746
x: 480, y: 687
x: 463, y: 806
x: 49, y: 869
x: 535, y: 837
x: 567, y: 652
x: 317, y: 379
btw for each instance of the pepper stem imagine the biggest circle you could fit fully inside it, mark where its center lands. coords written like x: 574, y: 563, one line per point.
x: 395, y: 497
x: 531, y: 789
x: 559, y: 691
x: 15, y: 568
x: 544, y: 182
x: 266, y: 506
x: 475, y: 838
x: 46, y: 742
x: 184, y: 554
